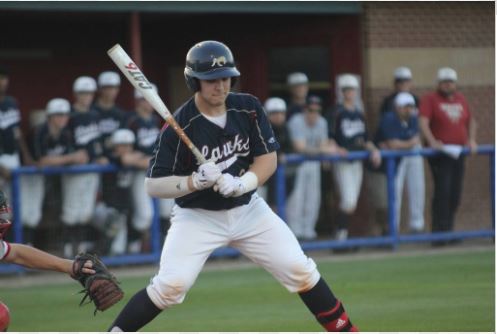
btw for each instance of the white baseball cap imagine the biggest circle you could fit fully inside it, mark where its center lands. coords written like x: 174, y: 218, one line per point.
x: 348, y: 81
x: 404, y: 99
x: 447, y: 74
x: 297, y: 78
x: 58, y: 106
x: 84, y: 85
x: 402, y: 73
x: 109, y: 78
x: 123, y: 136
x: 139, y: 95
x: 275, y: 104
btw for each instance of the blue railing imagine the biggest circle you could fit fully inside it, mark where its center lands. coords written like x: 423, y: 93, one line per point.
x: 392, y: 240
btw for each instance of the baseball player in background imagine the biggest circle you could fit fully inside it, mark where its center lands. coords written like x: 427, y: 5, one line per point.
x: 13, y: 148
x: 52, y: 146
x: 110, y: 116
x: 216, y: 204
x: 399, y: 130
x: 298, y: 86
x: 276, y: 112
x: 348, y: 128
x: 146, y: 127
x: 309, y: 135
x: 116, y: 187
x: 79, y: 191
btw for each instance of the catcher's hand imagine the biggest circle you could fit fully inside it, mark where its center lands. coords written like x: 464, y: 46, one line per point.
x: 98, y: 282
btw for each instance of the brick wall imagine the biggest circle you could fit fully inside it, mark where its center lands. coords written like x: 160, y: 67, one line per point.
x: 428, y: 24
x: 422, y: 26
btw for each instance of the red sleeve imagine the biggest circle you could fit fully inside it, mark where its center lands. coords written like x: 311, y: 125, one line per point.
x: 425, y: 107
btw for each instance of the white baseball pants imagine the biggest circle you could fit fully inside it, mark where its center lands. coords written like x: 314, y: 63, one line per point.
x: 411, y: 171
x: 348, y: 176
x: 79, y: 193
x: 254, y: 229
x: 143, y: 207
x: 304, y: 201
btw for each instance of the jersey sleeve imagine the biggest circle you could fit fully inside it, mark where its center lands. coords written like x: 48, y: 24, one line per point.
x: 386, y: 130
x: 168, y: 155
x: 262, y: 139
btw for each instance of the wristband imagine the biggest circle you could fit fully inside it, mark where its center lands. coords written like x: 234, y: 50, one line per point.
x: 249, y: 181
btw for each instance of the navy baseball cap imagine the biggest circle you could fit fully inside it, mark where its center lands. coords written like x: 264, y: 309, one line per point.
x: 314, y: 100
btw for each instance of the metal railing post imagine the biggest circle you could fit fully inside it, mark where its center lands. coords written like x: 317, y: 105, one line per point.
x: 155, y: 228
x: 281, y: 191
x: 392, y: 207
x: 491, y: 158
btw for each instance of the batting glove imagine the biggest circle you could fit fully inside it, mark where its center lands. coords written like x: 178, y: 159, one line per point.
x: 206, y: 176
x: 230, y: 186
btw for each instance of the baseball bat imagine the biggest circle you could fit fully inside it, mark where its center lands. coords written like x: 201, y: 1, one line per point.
x: 140, y: 82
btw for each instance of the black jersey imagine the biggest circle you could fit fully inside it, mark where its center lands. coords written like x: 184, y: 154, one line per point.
x: 116, y: 187
x: 348, y: 128
x: 146, y: 131
x: 109, y: 120
x: 86, y: 133
x: 10, y: 119
x: 44, y: 144
x: 247, y: 134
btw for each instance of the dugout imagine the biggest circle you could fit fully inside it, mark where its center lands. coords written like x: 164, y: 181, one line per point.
x: 48, y: 44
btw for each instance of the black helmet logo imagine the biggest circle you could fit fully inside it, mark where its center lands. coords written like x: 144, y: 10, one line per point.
x: 219, y: 61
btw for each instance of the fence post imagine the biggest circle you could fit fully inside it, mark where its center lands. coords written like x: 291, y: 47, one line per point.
x: 491, y: 157
x: 281, y: 191
x: 392, y: 207
x: 15, y: 201
x: 155, y: 228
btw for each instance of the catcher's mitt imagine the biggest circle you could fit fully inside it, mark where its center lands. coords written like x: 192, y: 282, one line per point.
x: 101, y: 288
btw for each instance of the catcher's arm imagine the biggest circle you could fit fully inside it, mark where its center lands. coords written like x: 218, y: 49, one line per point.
x: 31, y: 257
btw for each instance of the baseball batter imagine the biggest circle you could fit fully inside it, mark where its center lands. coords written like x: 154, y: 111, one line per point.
x: 216, y: 204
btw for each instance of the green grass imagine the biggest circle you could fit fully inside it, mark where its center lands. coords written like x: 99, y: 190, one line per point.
x: 445, y: 292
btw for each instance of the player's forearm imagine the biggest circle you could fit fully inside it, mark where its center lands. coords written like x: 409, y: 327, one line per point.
x: 264, y: 166
x: 168, y: 187
x: 34, y: 258
x: 424, y: 125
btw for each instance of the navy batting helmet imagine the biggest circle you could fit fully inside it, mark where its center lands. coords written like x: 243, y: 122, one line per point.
x: 209, y: 60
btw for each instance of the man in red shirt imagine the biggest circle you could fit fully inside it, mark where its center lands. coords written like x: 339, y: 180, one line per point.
x: 445, y: 118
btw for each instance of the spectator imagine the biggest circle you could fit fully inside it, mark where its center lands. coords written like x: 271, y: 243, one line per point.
x: 79, y: 191
x: 276, y: 110
x: 13, y: 147
x: 298, y: 85
x: 402, y: 83
x: 399, y: 130
x: 145, y: 126
x: 52, y: 146
x: 348, y: 129
x: 446, y: 119
x: 308, y: 132
x: 111, y: 117
x: 116, y: 187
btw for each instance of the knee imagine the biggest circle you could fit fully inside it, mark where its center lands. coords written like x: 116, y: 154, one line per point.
x: 166, y: 292
x: 301, y: 276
